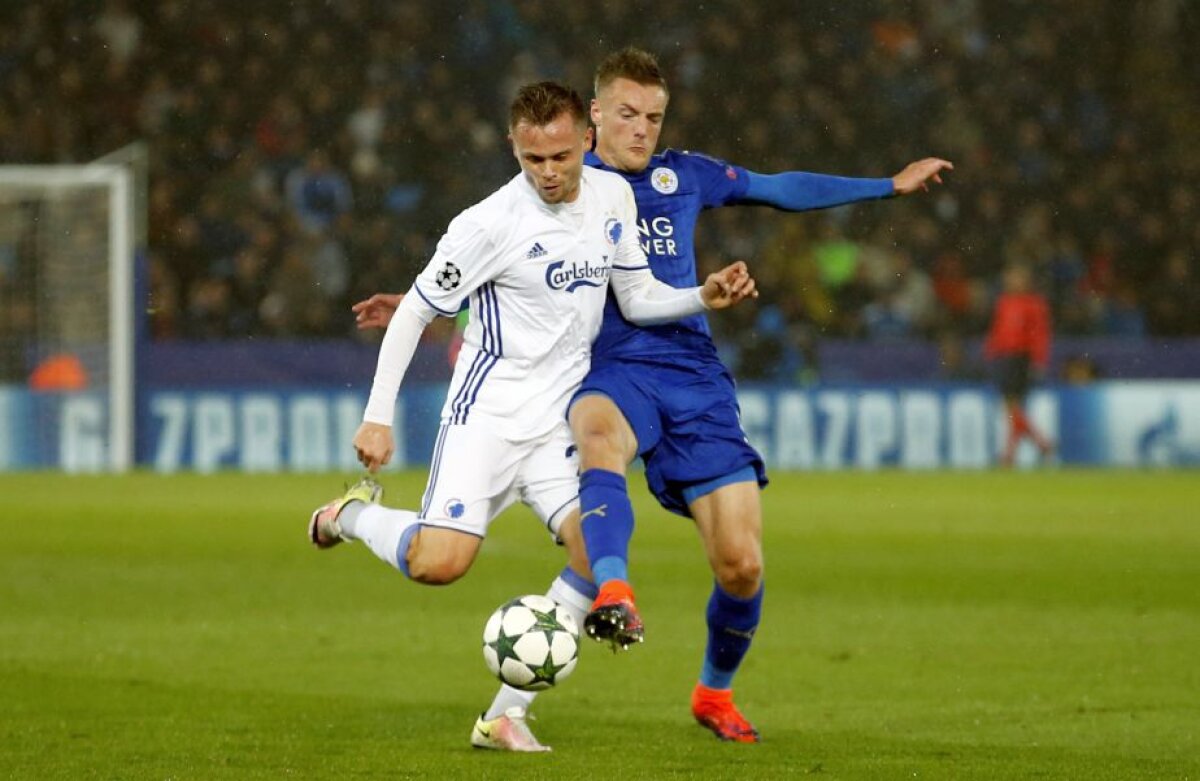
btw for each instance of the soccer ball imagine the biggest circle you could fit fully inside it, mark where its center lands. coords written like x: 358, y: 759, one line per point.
x: 531, y: 643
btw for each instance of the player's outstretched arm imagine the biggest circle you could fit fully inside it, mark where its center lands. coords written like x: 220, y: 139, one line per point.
x: 373, y: 442
x: 376, y: 311
x: 917, y: 176
x: 731, y: 285
x: 800, y: 191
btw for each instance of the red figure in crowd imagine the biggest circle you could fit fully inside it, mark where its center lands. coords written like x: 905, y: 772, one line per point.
x: 1019, y: 342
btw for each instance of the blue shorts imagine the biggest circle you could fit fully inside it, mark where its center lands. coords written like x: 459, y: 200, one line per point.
x: 687, y: 423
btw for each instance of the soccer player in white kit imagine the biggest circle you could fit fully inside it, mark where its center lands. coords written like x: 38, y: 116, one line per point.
x: 533, y: 261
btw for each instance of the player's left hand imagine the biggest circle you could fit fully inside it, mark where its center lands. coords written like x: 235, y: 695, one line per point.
x: 729, y: 286
x: 918, y: 175
x: 376, y: 311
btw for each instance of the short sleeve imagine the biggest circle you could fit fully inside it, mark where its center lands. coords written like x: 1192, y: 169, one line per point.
x: 720, y: 183
x: 465, y: 259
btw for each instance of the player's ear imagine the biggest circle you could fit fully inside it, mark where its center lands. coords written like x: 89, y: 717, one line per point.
x: 595, y: 111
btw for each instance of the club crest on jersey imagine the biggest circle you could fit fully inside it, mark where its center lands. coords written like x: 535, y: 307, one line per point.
x: 455, y: 508
x: 612, y: 230
x: 449, y: 277
x: 560, y: 276
x: 664, y: 180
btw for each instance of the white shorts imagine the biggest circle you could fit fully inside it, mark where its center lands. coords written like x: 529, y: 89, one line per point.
x: 475, y: 475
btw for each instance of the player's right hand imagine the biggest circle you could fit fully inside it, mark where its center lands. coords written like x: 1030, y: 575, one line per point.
x: 731, y: 285
x: 376, y: 311
x: 917, y: 176
x: 374, y: 445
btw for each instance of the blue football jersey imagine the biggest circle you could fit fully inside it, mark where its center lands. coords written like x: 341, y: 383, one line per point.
x: 670, y: 192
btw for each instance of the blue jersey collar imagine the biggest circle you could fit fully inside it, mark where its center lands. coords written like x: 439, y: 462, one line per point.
x: 592, y: 159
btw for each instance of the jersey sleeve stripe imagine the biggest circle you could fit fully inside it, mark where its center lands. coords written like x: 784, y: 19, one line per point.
x: 489, y: 364
x: 499, y: 331
x: 489, y: 305
x: 491, y: 338
x: 446, y: 312
x: 485, y: 333
x: 461, y: 397
x: 630, y: 268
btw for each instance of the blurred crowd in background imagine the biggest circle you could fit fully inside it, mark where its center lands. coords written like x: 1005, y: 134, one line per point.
x: 305, y: 155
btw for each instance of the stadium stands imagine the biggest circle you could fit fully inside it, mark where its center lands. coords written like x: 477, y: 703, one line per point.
x: 306, y: 155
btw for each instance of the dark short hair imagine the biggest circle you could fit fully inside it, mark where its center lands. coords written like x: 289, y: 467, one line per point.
x: 541, y: 103
x: 637, y: 65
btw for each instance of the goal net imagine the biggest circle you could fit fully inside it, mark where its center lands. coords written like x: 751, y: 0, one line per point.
x: 67, y: 243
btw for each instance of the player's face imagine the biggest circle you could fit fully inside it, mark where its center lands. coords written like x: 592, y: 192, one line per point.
x: 628, y: 118
x: 551, y: 156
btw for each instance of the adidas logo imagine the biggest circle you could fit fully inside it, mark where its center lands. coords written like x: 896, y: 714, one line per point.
x: 536, y: 251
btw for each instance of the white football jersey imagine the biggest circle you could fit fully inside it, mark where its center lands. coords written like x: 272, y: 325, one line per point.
x: 535, y: 277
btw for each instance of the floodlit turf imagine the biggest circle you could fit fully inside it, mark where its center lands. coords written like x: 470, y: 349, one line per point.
x: 917, y: 626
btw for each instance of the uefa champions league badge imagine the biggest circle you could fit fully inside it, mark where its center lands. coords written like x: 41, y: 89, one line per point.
x: 455, y: 508
x: 612, y: 230
x: 664, y: 180
x: 449, y: 277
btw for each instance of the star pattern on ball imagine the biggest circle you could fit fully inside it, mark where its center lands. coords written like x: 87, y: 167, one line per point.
x: 547, y: 670
x: 550, y: 625
x: 546, y: 622
x: 503, y: 645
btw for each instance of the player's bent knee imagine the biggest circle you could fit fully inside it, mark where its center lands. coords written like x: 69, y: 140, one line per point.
x: 441, y: 556
x: 598, y: 445
x: 603, y: 437
x: 435, y: 573
x: 740, y: 575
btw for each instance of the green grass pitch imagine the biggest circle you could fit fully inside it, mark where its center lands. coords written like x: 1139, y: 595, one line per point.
x: 991, y: 625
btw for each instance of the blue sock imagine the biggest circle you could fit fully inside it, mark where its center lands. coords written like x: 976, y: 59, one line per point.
x: 402, y: 549
x: 607, y: 521
x: 731, y: 624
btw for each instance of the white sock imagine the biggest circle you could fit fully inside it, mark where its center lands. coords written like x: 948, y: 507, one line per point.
x: 506, y: 698
x: 349, y: 514
x: 379, y: 528
x: 576, y: 603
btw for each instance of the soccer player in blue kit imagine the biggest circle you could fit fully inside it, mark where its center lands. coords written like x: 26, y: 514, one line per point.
x: 662, y: 393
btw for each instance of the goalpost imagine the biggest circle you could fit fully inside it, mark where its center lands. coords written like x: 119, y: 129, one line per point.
x: 68, y: 234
